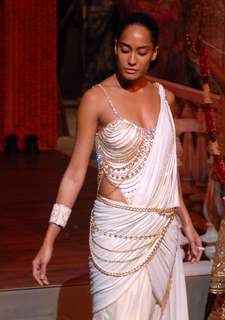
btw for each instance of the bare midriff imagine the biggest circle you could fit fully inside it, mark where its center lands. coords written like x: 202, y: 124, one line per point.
x: 107, y: 190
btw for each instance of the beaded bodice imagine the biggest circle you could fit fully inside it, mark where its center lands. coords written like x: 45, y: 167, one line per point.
x: 122, y: 149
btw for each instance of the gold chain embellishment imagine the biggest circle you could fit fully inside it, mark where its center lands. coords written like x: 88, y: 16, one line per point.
x: 117, y: 250
x: 163, y: 212
x: 130, y: 166
x: 120, y: 236
x: 148, y: 258
x: 117, y: 261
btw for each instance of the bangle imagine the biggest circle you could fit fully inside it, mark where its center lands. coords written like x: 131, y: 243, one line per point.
x: 60, y: 214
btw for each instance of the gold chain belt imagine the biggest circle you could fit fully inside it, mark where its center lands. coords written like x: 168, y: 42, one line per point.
x: 134, y: 268
x: 163, y: 212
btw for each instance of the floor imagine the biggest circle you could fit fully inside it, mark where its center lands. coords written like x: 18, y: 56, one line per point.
x: 28, y: 190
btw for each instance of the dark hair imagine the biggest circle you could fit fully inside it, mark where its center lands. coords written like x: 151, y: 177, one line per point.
x: 141, y: 19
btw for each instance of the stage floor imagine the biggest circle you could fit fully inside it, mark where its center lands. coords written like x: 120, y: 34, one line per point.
x: 28, y: 190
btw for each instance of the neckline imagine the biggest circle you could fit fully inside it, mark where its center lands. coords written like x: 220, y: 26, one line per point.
x: 111, y: 123
x: 118, y: 117
x: 136, y: 125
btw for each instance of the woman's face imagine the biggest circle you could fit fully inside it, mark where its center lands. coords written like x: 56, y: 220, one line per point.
x: 134, y: 51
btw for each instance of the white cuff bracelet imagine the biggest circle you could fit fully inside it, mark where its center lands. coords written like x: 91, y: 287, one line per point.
x: 60, y: 214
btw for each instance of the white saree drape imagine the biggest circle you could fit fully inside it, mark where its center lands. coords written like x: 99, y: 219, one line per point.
x: 135, y: 267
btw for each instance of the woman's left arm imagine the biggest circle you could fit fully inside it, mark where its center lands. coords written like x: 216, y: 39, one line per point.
x: 195, y: 249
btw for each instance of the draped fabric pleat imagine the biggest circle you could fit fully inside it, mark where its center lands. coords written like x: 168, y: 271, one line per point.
x: 28, y: 85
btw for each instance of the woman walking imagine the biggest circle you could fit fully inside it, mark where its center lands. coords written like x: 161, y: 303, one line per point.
x: 136, y: 268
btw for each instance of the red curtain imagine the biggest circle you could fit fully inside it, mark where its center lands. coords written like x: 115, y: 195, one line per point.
x: 28, y: 85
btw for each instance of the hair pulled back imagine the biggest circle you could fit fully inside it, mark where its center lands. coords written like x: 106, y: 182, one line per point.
x: 142, y: 19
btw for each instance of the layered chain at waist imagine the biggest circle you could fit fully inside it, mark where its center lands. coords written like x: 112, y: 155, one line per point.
x: 161, y: 211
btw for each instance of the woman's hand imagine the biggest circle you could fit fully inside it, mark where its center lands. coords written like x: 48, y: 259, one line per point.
x: 195, y: 243
x: 40, y: 263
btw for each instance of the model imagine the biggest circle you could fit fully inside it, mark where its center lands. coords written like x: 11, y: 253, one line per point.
x: 136, y: 268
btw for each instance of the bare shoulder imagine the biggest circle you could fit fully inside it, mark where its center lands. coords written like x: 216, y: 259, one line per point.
x: 90, y: 97
x: 92, y: 101
x: 169, y: 94
x: 174, y: 107
x: 170, y: 97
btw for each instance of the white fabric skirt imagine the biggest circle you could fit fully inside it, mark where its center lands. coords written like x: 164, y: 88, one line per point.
x: 156, y: 291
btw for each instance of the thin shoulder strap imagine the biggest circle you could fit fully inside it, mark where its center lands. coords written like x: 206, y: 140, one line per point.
x: 108, y: 98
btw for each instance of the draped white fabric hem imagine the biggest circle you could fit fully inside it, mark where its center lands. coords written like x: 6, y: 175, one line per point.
x: 138, y: 295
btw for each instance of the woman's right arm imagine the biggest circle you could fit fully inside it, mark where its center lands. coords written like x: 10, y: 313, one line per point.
x: 73, y: 178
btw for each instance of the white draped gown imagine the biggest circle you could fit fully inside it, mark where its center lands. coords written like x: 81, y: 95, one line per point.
x: 136, y: 270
